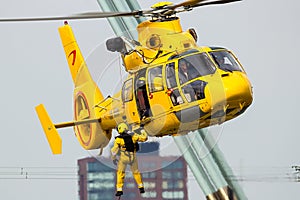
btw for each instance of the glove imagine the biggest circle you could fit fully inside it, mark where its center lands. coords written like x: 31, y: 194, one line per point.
x: 138, y: 131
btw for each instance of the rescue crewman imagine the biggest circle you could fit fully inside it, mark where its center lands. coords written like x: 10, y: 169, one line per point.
x: 127, y: 144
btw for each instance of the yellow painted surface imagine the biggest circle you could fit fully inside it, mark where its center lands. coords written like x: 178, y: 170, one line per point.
x: 225, y: 92
x: 50, y: 131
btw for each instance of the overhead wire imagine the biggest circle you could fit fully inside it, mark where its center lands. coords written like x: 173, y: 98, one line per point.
x: 55, y: 173
x: 264, y: 174
x: 243, y: 174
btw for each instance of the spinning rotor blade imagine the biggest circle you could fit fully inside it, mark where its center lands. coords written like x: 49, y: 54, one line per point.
x: 214, y: 3
x: 197, y: 3
x: 88, y: 15
x: 186, y: 6
x: 188, y: 3
x: 162, y: 11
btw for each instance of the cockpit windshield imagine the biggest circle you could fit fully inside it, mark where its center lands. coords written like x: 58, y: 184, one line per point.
x: 226, y: 61
x: 193, y: 66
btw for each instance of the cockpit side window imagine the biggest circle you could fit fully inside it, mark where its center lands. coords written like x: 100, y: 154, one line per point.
x: 226, y: 61
x: 127, y: 94
x: 170, y: 74
x: 191, y: 67
x: 172, y: 85
x: 155, y: 81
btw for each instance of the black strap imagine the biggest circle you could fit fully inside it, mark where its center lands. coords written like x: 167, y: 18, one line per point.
x: 129, y: 145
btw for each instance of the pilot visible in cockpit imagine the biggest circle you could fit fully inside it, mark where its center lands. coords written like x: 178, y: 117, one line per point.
x: 220, y: 60
x: 183, y: 67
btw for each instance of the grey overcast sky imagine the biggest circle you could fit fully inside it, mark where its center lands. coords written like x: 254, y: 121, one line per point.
x: 263, y: 142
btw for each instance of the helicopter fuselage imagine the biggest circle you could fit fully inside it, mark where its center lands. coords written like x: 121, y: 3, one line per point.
x: 168, y: 101
x: 173, y: 86
x: 158, y: 94
x: 162, y: 96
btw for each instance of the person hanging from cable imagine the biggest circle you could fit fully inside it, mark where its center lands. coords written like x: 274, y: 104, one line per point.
x: 126, y: 146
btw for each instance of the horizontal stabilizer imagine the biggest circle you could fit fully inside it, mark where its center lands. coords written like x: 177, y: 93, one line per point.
x: 52, y: 135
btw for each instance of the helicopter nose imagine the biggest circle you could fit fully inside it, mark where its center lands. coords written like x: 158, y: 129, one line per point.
x: 228, y: 92
x: 238, y: 89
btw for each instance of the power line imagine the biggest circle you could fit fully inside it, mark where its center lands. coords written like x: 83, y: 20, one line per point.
x: 38, y: 173
x: 244, y: 174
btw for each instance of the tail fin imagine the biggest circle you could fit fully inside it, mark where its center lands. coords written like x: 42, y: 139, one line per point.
x: 52, y: 135
x: 74, y: 57
x: 87, y: 96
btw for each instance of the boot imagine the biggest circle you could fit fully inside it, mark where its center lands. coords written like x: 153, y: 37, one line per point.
x: 119, y: 193
x: 142, y: 190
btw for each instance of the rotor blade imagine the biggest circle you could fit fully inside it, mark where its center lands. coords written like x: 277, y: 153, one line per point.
x: 187, y: 3
x: 88, y: 15
x: 198, y: 3
x: 214, y: 3
x: 96, y: 15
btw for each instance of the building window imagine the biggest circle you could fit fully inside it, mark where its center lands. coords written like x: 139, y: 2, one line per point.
x: 165, y: 185
x: 149, y: 175
x: 130, y: 185
x: 104, y: 195
x: 173, y: 194
x: 172, y: 184
x: 130, y: 196
x: 166, y: 175
x: 149, y: 185
x: 101, y: 176
x: 147, y: 165
x: 172, y: 165
x: 128, y: 175
x: 179, y: 184
x: 150, y: 194
x: 93, y: 196
x: 97, y: 167
x: 177, y: 175
x: 97, y: 185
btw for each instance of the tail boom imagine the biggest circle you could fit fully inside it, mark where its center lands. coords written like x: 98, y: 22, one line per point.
x: 92, y: 124
x: 55, y: 141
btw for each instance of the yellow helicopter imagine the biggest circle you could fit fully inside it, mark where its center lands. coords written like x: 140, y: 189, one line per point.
x: 173, y: 86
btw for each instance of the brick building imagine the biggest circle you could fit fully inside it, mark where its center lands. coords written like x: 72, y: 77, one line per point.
x: 163, y: 177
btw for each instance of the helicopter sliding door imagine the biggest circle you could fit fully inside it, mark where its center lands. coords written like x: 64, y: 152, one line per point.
x: 164, y: 121
x: 173, y: 91
x: 191, y: 70
x: 157, y: 95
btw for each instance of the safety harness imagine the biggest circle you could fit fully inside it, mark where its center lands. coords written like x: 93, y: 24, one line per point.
x: 129, y: 145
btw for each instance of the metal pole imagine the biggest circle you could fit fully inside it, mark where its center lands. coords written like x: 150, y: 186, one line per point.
x: 115, y: 22
x: 122, y: 26
x: 223, y: 165
x: 195, y: 166
x: 209, y: 164
x: 129, y: 23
